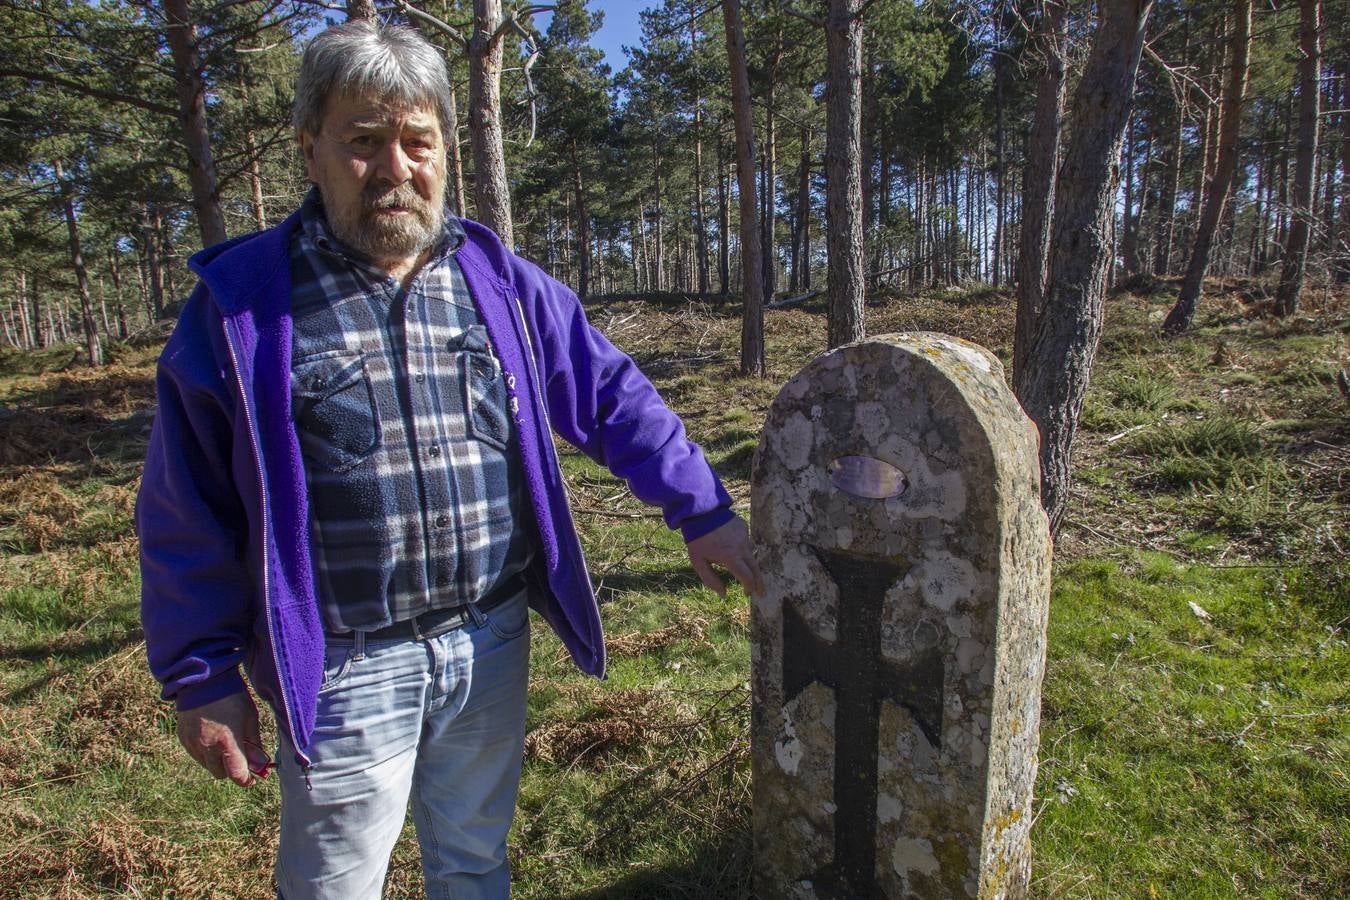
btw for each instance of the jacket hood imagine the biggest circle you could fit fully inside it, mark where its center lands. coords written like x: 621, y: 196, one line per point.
x: 230, y: 269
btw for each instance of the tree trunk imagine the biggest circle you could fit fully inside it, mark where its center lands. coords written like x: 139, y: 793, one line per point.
x: 456, y: 160
x: 360, y: 9
x: 883, y: 198
x: 1038, y: 184
x: 1051, y: 387
x: 1167, y: 209
x: 1328, y: 167
x: 1230, y: 121
x: 752, y: 267
x: 700, y: 226
x: 640, y: 255
x: 801, y: 258
x: 1305, y: 181
x: 21, y: 301
x: 11, y: 331
x: 843, y: 171
x: 770, y: 197
x: 492, y: 195
x: 723, y: 222
x: 154, y: 272
x: 182, y: 35
x: 166, y: 255
x: 255, y: 180
x: 658, y: 243
x: 91, y: 342
x: 1343, y: 246
x: 583, y: 232
x: 1127, y: 212
x: 116, y: 272
x: 999, y: 173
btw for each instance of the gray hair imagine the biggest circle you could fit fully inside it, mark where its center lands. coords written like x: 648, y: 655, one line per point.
x: 388, y: 62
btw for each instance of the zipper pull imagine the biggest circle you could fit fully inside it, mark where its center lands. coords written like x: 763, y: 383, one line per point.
x: 309, y: 786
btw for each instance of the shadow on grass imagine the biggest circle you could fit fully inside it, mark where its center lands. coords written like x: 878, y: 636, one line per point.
x: 718, y: 869
x: 668, y: 364
x: 63, y: 648
x: 648, y: 581
x: 84, y: 418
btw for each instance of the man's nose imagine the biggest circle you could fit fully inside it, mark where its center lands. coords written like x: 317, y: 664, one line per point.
x: 394, y: 165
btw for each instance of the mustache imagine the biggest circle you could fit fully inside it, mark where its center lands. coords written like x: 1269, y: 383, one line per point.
x: 403, y: 195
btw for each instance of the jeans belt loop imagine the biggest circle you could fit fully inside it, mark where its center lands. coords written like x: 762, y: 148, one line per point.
x: 359, y: 650
x: 479, y: 619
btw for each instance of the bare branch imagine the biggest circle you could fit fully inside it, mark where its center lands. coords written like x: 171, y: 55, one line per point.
x: 512, y: 22
x: 530, y: 94
x: 1178, y: 74
x: 427, y: 18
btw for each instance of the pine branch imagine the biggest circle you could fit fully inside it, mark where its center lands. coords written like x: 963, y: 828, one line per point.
x: 90, y: 91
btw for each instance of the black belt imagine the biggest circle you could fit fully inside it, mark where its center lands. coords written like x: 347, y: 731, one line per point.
x: 436, y: 622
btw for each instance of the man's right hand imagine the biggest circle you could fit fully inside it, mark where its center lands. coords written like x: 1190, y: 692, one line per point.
x: 223, y: 736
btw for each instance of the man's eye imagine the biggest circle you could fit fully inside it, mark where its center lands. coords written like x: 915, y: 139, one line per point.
x: 363, y: 141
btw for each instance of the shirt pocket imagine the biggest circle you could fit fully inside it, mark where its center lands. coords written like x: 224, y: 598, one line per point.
x: 333, y: 403
x: 484, y: 387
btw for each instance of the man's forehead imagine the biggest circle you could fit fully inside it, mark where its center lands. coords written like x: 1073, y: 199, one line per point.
x: 365, y: 109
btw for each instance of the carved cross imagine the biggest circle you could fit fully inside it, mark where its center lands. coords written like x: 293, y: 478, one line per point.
x: 862, y: 679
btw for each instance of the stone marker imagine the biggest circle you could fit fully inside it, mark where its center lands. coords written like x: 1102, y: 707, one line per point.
x: 899, y: 646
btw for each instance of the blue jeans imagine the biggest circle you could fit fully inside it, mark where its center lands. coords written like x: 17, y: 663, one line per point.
x: 441, y: 720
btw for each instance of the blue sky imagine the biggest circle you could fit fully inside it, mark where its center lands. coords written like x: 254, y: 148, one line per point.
x: 620, y: 28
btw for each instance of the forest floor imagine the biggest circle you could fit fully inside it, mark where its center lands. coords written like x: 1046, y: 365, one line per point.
x: 1196, y: 723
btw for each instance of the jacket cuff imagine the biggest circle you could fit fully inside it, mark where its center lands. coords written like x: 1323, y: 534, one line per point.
x: 696, y: 527
x: 191, y: 696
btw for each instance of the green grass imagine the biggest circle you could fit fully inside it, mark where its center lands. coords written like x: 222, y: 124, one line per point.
x: 1210, y: 760
x: 1180, y: 757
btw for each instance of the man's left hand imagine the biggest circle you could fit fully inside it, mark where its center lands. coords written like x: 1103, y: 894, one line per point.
x: 727, y: 546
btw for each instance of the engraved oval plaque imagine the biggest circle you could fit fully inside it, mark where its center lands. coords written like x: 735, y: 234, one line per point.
x: 867, y: 476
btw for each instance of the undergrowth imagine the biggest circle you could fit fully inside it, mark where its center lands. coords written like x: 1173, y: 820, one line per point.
x: 1195, y: 701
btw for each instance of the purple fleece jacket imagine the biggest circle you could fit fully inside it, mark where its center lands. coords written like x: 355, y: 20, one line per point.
x: 223, y: 516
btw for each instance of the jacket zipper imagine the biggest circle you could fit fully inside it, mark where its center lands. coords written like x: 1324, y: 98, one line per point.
x: 551, y: 450
x: 534, y: 371
x: 267, y: 581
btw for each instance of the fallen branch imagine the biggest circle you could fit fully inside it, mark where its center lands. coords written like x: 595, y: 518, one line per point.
x: 1128, y: 431
x: 790, y: 301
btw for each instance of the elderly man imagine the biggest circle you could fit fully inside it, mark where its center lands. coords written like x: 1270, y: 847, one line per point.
x: 352, y: 493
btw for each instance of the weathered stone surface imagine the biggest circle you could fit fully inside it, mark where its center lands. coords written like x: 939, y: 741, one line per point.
x: 899, y: 646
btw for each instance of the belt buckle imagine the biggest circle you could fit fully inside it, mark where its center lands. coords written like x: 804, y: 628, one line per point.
x: 455, y: 618
x: 416, y: 626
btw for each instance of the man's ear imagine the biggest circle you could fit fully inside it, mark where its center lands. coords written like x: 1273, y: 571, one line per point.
x: 307, y: 149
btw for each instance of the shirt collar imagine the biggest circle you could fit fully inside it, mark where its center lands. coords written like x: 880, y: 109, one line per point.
x: 314, y: 224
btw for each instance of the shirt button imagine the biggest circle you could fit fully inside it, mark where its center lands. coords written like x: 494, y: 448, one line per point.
x: 434, y: 451
x: 442, y: 521
x: 421, y: 378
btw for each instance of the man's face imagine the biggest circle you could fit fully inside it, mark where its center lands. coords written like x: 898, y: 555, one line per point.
x: 380, y: 168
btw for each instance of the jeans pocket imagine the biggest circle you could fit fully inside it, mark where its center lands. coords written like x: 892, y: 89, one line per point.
x: 333, y: 403
x: 511, y: 619
x: 337, y: 664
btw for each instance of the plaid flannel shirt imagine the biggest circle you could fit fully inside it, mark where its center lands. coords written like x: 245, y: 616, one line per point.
x: 415, y: 484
